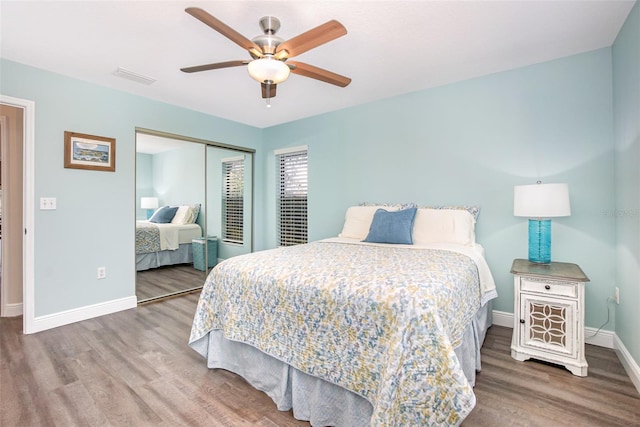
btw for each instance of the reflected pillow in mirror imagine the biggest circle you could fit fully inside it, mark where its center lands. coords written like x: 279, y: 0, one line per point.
x: 196, y: 211
x: 164, y: 215
x: 184, y: 215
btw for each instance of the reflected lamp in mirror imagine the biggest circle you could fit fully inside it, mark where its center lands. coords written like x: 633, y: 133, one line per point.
x: 150, y: 204
x: 539, y: 202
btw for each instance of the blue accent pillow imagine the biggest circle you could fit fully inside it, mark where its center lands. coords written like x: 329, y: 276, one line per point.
x: 164, y: 215
x: 392, y: 227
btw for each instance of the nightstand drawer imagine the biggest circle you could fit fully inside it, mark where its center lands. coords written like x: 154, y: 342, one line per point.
x: 549, y: 287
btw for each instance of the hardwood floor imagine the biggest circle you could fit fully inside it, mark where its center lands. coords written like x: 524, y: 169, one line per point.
x: 531, y: 393
x: 170, y: 280
x: 134, y: 368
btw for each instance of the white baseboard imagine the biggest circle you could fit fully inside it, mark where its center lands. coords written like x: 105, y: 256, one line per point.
x: 606, y: 339
x: 502, y: 318
x: 12, y: 310
x: 601, y: 339
x: 630, y: 365
x: 62, y: 318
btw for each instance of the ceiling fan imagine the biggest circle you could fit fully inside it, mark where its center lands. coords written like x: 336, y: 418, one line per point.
x: 269, y: 52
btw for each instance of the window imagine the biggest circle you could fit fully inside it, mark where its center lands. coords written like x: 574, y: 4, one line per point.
x: 291, y: 203
x: 233, y: 200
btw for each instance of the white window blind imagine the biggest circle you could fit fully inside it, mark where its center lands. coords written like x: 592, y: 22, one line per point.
x: 233, y: 200
x: 291, y: 196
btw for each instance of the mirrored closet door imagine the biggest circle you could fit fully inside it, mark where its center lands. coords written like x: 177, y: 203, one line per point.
x: 190, y: 211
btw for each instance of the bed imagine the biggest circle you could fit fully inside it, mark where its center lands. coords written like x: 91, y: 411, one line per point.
x: 165, y: 239
x: 353, y: 333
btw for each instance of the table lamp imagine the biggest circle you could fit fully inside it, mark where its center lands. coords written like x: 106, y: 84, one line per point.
x: 539, y: 202
x: 150, y: 204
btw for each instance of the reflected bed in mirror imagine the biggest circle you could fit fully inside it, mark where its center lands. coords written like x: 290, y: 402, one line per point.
x: 165, y: 239
x: 174, y: 212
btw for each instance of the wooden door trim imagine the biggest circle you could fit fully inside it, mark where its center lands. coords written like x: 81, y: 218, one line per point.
x: 28, y: 152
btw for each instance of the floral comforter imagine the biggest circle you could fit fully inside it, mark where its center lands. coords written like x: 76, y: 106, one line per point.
x: 379, y: 320
x: 147, y: 237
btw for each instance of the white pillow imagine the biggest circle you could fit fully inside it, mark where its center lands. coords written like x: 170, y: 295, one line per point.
x: 357, y: 220
x: 184, y: 215
x: 444, y: 226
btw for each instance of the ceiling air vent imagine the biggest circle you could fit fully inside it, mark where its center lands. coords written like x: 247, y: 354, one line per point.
x: 126, y: 74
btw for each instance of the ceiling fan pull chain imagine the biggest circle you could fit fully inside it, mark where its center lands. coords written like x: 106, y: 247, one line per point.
x: 268, y: 93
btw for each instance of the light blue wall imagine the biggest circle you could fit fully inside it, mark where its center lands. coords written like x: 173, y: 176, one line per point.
x: 144, y: 181
x: 626, y: 104
x: 178, y: 177
x: 93, y: 225
x: 470, y: 143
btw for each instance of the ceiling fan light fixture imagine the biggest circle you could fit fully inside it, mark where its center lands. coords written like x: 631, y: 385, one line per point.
x: 268, y: 70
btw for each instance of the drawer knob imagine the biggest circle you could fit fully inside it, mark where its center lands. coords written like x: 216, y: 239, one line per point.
x: 521, y: 320
x: 547, y: 287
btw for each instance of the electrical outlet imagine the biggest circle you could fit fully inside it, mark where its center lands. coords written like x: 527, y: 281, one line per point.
x: 617, y: 297
x: 102, y: 272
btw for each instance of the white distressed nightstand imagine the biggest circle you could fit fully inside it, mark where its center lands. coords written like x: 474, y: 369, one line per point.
x: 548, y: 314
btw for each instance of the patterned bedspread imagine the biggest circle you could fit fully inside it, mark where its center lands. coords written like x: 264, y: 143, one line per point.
x: 147, y: 237
x: 381, y: 321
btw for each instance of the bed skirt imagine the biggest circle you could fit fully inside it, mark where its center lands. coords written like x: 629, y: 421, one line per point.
x: 311, y: 398
x: 182, y: 255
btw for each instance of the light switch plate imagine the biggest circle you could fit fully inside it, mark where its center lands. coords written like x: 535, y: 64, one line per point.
x: 47, y: 203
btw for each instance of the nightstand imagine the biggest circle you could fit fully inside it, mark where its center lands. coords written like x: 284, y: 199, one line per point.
x: 548, y: 314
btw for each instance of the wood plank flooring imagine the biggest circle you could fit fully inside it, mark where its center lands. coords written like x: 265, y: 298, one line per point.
x: 169, y: 280
x: 134, y: 368
x: 531, y: 393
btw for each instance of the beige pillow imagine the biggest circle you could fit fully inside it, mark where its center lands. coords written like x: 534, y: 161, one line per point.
x: 443, y: 226
x: 357, y: 220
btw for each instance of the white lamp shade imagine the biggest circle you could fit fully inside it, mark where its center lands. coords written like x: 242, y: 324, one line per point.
x: 268, y: 70
x: 148, y: 202
x: 541, y: 200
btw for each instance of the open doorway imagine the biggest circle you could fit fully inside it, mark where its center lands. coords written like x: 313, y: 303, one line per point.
x: 11, y: 210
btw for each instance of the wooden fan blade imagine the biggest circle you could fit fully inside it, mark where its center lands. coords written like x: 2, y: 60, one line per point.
x: 213, y: 66
x: 268, y: 90
x: 318, y: 73
x: 313, y: 38
x: 224, y: 29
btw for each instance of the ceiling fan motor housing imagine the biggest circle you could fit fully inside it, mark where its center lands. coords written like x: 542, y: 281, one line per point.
x: 268, y: 42
x: 269, y: 24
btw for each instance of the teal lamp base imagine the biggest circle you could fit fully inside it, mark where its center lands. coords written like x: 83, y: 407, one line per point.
x: 540, y: 241
x: 150, y: 213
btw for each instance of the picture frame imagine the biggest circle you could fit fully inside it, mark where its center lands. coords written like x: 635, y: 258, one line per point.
x: 90, y: 152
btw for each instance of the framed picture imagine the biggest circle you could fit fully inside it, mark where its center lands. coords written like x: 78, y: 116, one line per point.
x: 82, y: 151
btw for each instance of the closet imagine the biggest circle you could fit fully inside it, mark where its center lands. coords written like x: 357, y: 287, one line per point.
x: 179, y: 171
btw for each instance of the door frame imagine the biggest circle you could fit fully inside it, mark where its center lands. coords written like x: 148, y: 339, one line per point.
x: 5, y: 309
x: 28, y: 178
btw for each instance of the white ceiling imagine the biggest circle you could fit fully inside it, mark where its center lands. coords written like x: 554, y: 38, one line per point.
x: 392, y: 47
